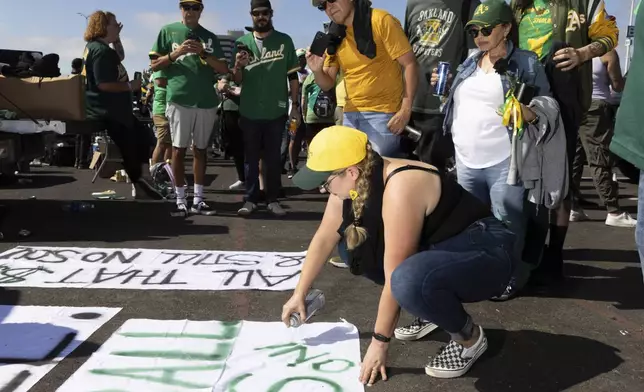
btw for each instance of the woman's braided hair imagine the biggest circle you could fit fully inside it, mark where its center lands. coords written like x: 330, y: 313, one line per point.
x: 355, y: 234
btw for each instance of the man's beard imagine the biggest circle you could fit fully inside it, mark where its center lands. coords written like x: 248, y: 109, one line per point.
x: 263, y: 29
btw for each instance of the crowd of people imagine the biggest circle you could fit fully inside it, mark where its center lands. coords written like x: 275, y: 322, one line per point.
x: 476, y: 209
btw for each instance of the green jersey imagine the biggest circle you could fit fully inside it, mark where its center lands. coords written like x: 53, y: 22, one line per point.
x: 311, y: 91
x: 264, y: 94
x: 535, y: 29
x: 101, y: 65
x: 189, y: 74
x: 159, y: 103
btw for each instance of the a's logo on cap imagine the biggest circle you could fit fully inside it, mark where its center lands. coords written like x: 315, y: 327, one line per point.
x: 482, y: 9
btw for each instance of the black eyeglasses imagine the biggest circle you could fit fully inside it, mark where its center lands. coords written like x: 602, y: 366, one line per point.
x: 327, y: 184
x: 189, y: 7
x: 486, y: 31
x: 261, y: 13
x: 322, y: 5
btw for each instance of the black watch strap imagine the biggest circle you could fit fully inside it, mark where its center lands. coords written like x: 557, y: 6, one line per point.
x: 381, y: 338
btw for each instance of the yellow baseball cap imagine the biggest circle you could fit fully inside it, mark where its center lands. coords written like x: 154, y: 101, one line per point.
x: 334, y: 148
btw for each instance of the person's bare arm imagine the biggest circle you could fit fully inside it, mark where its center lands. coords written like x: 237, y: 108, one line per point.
x: 220, y: 66
x: 326, y: 78
x: 592, y: 50
x: 118, y: 47
x: 611, y: 60
x: 324, y: 241
x: 162, y: 62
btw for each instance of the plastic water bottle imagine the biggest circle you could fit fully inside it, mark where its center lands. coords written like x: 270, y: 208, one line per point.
x: 78, y: 206
x: 314, y: 301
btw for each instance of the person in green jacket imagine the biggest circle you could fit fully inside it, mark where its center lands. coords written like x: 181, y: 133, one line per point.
x: 628, y: 141
x: 566, y: 35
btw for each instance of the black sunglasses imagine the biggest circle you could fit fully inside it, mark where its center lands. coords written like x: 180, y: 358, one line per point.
x: 327, y: 183
x: 261, y: 13
x: 486, y: 31
x: 189, y: 7
x: 322, y: 5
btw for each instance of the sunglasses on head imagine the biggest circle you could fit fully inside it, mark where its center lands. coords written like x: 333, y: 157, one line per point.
x: 261, y: 13
x: 322, y: 5
x: 486, y: 31
x: 191, y: 7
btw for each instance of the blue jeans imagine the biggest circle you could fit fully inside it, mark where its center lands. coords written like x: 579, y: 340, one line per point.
x: 639, y: 230
x: 374, y: 125
x: 472, y: 266
x: 490, y: 186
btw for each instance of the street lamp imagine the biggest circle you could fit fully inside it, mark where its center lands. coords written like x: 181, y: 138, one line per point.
x: 84, y: 16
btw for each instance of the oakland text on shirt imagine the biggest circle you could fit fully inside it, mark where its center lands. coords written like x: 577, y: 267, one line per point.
x: 575, y: 20
x: 267, y: 56
x: 433, y: 26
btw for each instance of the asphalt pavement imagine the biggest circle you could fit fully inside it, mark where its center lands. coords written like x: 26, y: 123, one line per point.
x: 587, y: 335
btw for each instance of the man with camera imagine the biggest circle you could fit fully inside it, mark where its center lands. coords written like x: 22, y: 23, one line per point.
x: 186, y: 53
x: 371, y: 49
x: 264, y: 104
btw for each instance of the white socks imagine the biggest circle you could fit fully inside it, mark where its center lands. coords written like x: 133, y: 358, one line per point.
x: 181, y: 194
x: 198, y: 198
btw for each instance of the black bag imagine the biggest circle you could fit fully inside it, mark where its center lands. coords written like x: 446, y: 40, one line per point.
x: 325, y: 104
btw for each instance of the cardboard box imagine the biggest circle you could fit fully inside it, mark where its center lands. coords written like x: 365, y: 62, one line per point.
x: 61, y: 98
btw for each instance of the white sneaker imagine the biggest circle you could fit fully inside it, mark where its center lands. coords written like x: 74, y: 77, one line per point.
x: 620, y: 220
x: 416, y: 330
x: 237, y: 186
x: 454, y: 360
x: 578, y: 215
x: 337, y: 262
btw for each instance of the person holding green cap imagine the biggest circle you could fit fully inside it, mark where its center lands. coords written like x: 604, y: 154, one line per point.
x: 430, y: 243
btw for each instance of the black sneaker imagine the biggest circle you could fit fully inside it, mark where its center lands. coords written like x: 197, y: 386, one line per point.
x: 180, y: 211
x: 510, y: 292
x: 145, y: 191
x: 202, y: 208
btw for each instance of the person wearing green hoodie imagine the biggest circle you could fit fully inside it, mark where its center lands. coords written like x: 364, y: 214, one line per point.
x: 628, y: 141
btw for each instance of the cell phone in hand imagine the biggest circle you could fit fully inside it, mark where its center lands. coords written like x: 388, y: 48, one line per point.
x: 192, y: 36
x: 138, y: 76
x: 243, y: 48
x: 320, y: 44
x: 524, y: 93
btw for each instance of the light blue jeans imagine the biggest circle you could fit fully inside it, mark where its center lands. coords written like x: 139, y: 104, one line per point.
x: 639, y: 230
x: 490, y: 186
x: 374, y: 125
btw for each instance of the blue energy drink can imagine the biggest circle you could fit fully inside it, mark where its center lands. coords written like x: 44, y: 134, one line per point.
x: 441, y: 86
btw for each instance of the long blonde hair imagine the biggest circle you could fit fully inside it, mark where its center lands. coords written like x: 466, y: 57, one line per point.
x: 355, y: 234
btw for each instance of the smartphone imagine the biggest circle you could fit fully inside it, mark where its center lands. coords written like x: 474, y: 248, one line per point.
x: 138, y: 76
x: 320, y: 44
x: 192, y: 36
x: 243, y: 48
x: 525, y: 93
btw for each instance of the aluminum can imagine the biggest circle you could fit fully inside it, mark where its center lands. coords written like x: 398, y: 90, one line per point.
x: 314, y: 301
x: 441, y: 86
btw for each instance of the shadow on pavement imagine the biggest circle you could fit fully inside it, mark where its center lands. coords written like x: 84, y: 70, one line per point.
x: 35, y: 181
x: 612, y: 255
x: 538, y: 361
x: 622, y: 287
x: 108, y: 221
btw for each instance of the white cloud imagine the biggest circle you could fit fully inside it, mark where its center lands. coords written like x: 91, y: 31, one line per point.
x: 153, y: 21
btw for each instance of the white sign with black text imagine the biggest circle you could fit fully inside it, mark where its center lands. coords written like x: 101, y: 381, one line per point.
x: 149, y: 269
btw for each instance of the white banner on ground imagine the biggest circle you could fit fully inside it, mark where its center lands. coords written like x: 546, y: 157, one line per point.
x: 34, y: 339
x: 149, y: 269
x: 204, y: 356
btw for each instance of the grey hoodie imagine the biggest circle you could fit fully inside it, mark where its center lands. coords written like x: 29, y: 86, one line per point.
x: 538, y: 157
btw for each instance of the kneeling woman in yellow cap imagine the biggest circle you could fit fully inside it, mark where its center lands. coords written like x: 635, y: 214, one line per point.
x: 429, y: 242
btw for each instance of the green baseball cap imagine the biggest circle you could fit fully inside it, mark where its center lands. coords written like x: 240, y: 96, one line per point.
x: 491, y: 13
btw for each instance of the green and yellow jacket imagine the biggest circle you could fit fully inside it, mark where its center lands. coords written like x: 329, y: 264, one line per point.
x: 580, y: 23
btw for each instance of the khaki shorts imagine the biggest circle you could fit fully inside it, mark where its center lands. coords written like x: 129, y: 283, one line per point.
x: 162, y: 128
x: 190, y: 125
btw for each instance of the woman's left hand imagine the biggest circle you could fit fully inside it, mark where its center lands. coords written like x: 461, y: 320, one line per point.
x: 373, y: 363
x: 399, y: 121
x: 568, y: 59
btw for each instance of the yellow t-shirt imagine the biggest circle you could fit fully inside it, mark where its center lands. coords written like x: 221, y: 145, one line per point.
x: 373, y: 85
x: 340, y: 90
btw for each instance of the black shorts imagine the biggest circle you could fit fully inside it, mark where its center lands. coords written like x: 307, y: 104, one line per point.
x: 315, y: 128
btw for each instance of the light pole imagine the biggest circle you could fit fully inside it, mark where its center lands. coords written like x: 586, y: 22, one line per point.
x: 84, y: 16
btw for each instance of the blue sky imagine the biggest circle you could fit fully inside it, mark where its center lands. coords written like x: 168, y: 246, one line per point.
x: 55, y: 26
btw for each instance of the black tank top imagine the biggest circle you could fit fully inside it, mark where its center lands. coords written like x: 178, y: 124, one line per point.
x: 456, y: 210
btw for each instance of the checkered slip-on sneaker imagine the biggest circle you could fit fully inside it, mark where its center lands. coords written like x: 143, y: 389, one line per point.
x: 418, y: 329
x: 454, y: 360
